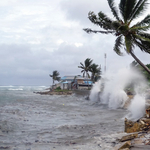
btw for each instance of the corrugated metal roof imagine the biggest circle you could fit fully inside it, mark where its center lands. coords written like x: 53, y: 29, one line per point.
x: 72, y: 78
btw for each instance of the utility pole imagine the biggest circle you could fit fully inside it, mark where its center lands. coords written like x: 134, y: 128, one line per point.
x: 105, y: 62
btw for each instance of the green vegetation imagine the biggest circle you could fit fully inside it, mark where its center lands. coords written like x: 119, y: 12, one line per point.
x: 128, y: 35
x: 86, y: 67
x: 89, y: 67
x: 55, y: 76
x: 96, y: 72
x: 58, y: 89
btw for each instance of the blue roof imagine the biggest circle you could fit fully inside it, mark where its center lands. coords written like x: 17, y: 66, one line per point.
x: 88, y: 82
x: 63, y: 78
x: 65, y: 82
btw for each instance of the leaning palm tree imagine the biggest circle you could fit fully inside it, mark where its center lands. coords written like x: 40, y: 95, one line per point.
x: 96, y: 71
x: 86, y: 67
x: 128, y: 36
x: 55, y: 76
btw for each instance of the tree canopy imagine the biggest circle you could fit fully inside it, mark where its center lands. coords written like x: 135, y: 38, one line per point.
x: 128, y: 35
x: 96, y: 72
x: 89, y: 66
x: 86, y: 67
x: 55, y: 76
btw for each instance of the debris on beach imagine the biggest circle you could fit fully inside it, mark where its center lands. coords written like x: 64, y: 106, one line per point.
x: 138, y: 133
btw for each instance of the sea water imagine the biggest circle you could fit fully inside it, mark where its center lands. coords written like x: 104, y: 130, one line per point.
x: 30, y: 121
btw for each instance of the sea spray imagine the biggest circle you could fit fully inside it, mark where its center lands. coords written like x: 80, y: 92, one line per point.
x: 136, y: 108
x: 138, y: 104
x: 113, y: 93
x: 114, y: 89
x: 94, y: 95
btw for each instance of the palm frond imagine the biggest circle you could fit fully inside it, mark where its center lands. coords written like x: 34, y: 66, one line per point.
x: 144, y: 22
x: 142, y: 38
x: 118, y: 45
x: 82, y: 71
x: 104, y: 20
x: 139, y: 8
x: 139, y: 28
x: 146, y: 35
x: 81, y: 67
x: 116, y: 25
x: 95, y: 31
x: 122, y: 7
x: 142, y: 46
x: 88, y: 62
x: 113, y: 9
x: 146, y: 44
x: 55, y: 73
x: 126, y: 7
x: 58, y: 78
x: 101, y: 20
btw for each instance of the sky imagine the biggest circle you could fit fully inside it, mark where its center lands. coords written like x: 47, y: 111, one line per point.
x: 38, y: 37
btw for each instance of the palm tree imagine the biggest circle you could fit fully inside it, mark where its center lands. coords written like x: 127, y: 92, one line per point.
x: 86, y: 67
x: 55, y: 76
x: 96, y: 71
x: 128, y: 36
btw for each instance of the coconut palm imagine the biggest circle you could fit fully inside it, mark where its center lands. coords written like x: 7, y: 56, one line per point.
x: 128, y: 36
x: 86, y: 67
x: 96, y: 71
x: 55, y: 76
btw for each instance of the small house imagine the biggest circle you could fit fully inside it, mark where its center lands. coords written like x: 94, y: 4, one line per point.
x: 75, y: 82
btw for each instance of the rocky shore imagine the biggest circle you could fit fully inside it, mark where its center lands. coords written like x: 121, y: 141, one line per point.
x: 137, y: 135
x: 65, y: 92
x: 55, y: 93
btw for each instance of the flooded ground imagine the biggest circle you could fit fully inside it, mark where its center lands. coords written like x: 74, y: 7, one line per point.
x: 43, y: 122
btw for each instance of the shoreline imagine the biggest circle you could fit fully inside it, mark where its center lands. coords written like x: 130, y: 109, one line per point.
x: 68, y: 92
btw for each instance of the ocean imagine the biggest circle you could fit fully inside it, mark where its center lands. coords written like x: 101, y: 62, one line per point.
x: 29, y: 121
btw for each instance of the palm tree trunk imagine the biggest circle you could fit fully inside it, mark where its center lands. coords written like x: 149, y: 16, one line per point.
x: 87, y: 80
x: 144, y: 66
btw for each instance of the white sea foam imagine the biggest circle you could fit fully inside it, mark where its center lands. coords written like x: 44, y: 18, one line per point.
x: 114, y: 95
x: 15, y: 89
x: 94, y: 95
x: 136, y: 108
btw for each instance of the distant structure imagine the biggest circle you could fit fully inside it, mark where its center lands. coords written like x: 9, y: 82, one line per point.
x: 105, y: 62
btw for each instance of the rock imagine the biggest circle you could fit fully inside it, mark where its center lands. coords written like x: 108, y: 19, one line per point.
x: 131, y: 126
x: 128, y: 137
x: 140, y: 125
x: 148, y: 112
x: 54, y: 93
x: 138, y: 141
x: 123, y: 146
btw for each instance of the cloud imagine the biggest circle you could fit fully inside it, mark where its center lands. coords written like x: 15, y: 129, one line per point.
x: 38, y: 37
x: 78, y: 10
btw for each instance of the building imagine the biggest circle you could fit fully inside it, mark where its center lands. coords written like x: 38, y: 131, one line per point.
x: 75, y: 82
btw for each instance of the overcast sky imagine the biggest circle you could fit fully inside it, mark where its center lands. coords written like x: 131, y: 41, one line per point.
x: 39, y: 36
